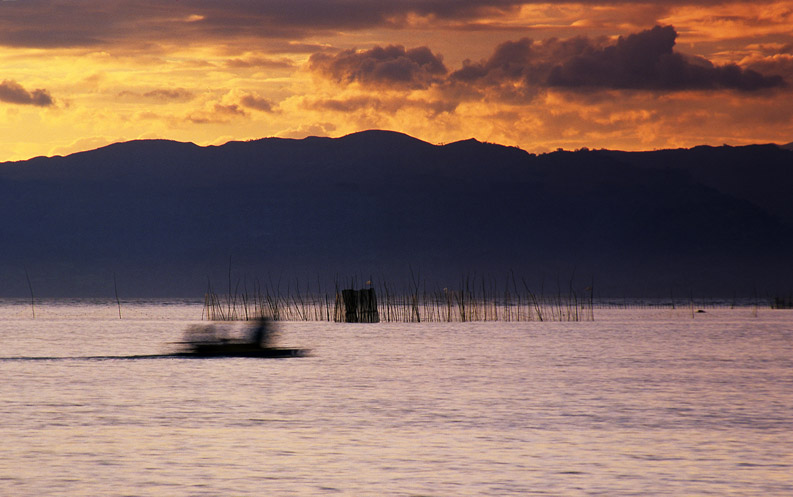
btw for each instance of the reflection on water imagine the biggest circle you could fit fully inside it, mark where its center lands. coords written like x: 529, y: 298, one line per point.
x: 635, y: 403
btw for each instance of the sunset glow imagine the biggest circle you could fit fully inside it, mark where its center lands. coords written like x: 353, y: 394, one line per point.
x: 629, y: 75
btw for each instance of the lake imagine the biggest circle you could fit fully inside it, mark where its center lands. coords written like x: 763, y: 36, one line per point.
x: 637, y: 402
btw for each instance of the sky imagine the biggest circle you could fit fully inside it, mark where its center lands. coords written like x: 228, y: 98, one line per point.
x: 622, y: 74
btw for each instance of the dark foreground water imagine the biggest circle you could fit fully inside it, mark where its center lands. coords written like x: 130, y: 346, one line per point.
x: 650, y: 402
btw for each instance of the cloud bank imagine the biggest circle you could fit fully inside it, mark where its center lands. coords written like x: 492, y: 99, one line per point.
x: 389, y: 66
x: 87, y: 23
x: 647, y: 61
x: 145, y: 23
x: 642, y: 61
x: 518, y: 71
x: 13, y: 93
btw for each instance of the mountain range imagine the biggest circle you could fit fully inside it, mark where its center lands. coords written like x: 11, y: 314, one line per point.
x: 168, y: 219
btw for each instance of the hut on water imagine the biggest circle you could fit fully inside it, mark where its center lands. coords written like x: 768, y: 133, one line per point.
x: 356, y: 306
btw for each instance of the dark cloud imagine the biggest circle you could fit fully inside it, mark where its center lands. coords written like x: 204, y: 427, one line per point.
x: 515, y: 71
x: 85, y: 23
x: 781, y: 64
x: 257, y: 103
x: 13, y: 93
x: 647, y: 61
x: 642, y: 61
x: 144, y: 24
x: 169, y: 94
x: 302, y: 16
x: 230, y: 110
x: 510, y: 60
x: 161, y: 94
x: 220, y: 113
x: 77, y: 23
x: 389, y: 66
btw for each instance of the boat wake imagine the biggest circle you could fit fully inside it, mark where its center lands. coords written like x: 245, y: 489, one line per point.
x: 90, y: 357
x: 178, y: 355
x: 204, y: 342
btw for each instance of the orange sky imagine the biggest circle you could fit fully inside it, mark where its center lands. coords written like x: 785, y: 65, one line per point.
x: 79, y: 74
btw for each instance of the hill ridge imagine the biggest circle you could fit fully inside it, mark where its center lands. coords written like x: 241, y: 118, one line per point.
x: 167, y: 215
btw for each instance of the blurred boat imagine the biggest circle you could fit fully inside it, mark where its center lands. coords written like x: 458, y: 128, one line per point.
x: 226, y: 349
x: 212, y: 340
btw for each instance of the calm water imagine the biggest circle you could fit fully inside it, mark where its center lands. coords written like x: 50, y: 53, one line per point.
x: 648, y: 402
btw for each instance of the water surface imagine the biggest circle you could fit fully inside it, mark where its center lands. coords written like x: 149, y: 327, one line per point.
x: 638, y: 402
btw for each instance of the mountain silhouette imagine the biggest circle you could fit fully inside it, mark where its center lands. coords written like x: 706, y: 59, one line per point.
x: 169, y: 218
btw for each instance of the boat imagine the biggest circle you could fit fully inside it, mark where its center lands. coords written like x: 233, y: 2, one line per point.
x: 225, y: 349
x: 215, y: 340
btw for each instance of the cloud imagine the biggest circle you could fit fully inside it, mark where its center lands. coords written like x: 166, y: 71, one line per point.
x: 356, y: 103
x: 169, y: 94
x: 161, y: 94
x: 304, y: 130
x: 218, y: 113
x: 297, y: 18
x: 13, y: 93
x: 149, y: 23
x: 257, y: 103
x: 392, y: 66
x: 647, y: 61
x: 515, y: 71
x: 88, y: 23
x: 771, y: 60
x: 642, y: 61
x: 260, y: 63
x: 229, y: 110
x: 81, y: 144
x: 380, y: 104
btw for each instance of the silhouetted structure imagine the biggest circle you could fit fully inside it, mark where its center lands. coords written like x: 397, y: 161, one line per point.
x: 356, y: 306
x: 782, y: 303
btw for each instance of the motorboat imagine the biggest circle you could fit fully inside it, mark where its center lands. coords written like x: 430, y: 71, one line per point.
x: 231, y: 349
x: 223, y: 340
